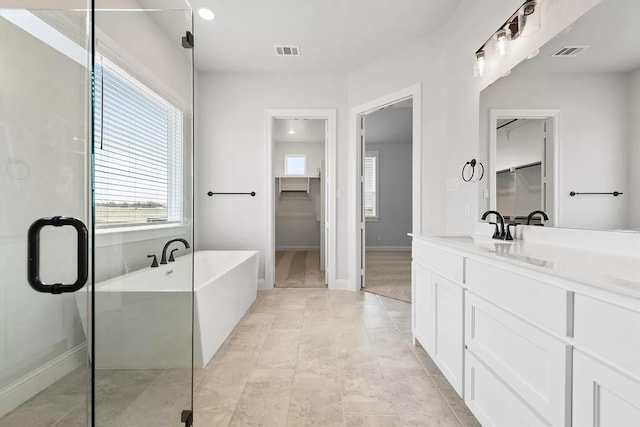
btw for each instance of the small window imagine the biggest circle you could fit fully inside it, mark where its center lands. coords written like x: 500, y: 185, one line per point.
x: 371, y: 185
x: 295, y: 164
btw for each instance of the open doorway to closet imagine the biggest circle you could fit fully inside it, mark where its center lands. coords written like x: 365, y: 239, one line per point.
x: 386, y: 197
x: 299, y: 167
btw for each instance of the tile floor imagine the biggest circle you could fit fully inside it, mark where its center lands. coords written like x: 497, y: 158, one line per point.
x: 388, y: 273
x: 313, y: 357
x: 300, y: 357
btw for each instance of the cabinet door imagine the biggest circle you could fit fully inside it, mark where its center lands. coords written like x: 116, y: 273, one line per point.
x: 603, y: 397
x: 424, y: 324
x: 449, y: 333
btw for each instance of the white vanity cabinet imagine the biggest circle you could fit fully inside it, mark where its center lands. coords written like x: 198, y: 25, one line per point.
x: 439, y: 308
x: 516, y: 330
x: 606, y: 364
x: 526, y: 346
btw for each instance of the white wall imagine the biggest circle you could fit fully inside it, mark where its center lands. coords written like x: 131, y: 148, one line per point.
x: 314, y: 154
x: 388, y: 132
x: 592, y: 140
x: 231, y: 152
x: 634, y: 148
x: 230, y: 124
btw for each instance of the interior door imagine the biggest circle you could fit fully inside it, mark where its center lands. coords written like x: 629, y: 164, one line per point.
x: 360, y: 202
x: 45, y: 218
x: 323, y: 217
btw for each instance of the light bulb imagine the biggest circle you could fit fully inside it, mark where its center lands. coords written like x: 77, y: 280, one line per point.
x: 206, y: 14
x: 480, y: 64
x: 530, y: 18
x: 502, y: 43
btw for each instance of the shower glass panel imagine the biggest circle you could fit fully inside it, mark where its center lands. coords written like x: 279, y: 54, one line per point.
x: 96, y: 127
x: 142, y: 201
x: 44, y: 172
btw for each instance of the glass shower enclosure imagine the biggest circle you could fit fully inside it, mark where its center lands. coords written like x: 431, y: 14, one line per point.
x: 96, y: 189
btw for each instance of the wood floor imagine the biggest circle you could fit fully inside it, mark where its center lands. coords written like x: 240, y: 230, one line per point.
x: 388, y: 274
x: 299, y: 269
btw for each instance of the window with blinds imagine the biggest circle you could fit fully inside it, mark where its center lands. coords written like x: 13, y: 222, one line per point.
x: 371, y: 184
x: 138, y: 152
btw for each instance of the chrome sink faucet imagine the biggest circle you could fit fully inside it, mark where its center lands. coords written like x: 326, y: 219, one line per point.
x: 166, y: 246
x: 499, y: 234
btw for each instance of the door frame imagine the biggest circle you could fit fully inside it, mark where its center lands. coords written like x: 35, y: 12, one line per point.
x: 354, y: 246
x: 539, y: 114
x: 330, y: 167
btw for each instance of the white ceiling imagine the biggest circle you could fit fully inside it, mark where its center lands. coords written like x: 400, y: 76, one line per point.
x: 306, y: 130
x: 334, y: 35
x: 613, y: 32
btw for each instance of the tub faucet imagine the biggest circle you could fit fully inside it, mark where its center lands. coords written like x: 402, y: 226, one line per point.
x: 166, y: 246
x: 499, y: 234
x: 534, y: 213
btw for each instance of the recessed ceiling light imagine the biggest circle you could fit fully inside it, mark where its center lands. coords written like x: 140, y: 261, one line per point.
x: 206, y: 14
x: 291, y: 131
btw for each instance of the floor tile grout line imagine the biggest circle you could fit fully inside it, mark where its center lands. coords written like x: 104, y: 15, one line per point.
x: 412, y: 348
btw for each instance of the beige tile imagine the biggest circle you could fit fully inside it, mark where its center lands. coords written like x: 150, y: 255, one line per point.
x: 372, y: 421
x: 417, y: 398
x: 280, y: 349
x: 315, y: 401
x: 459, y: 408
x: 365, y: 392
x: 265, y: 399
x: 290, y: 319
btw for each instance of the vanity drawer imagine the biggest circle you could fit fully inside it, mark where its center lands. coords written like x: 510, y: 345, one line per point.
x: 447, y: 264
x: 539, y: 302
x: 491, y: 401
x: 533, y: 363
x: 609, y: 331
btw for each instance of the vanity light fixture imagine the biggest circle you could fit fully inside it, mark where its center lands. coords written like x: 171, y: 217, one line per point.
x: 480, y: 64
x: 206, y: 14
x: 502, y: 42
x: 524, y: 22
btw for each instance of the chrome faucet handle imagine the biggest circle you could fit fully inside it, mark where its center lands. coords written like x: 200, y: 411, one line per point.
x: 154, y: 263
x: 508, y: 236
x: 171, y: 258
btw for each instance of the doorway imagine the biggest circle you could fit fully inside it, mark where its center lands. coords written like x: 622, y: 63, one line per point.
x: 386, y: 200
x: 301, y: 234
x: 299, y: 174
x: 387, y: 177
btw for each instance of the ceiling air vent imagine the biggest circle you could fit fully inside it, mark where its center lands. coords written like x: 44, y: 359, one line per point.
x: 288, y: 50
x: 569, y: 51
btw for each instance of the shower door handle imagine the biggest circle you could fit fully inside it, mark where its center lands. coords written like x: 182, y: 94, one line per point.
x: 33, y: 254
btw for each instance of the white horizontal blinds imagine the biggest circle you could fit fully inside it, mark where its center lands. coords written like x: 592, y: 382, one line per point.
x: 370, y: 185
x: 138, y: 152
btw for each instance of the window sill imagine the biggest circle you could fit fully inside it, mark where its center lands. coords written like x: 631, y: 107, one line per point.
x: 123, y: 235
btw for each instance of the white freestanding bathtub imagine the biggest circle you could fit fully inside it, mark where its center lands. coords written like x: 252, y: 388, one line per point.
x: 143, y: 319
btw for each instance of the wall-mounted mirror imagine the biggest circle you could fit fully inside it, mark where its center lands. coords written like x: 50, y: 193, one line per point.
x: 562, y: 130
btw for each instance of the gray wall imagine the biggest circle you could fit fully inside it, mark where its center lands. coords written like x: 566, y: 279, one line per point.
x: 390, y: 131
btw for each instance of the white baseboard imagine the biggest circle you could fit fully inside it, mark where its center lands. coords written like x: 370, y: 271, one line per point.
x: 39, y: 379
x: 388, y: 248
x: 297, y: 248
x: 343, y: 285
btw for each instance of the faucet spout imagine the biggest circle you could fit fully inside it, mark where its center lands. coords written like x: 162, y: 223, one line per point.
x: 534, y: 213
x: 501, y: 234
x: 166, y: 246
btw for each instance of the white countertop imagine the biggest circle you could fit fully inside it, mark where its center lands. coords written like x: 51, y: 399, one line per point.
x: 612, y: 272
